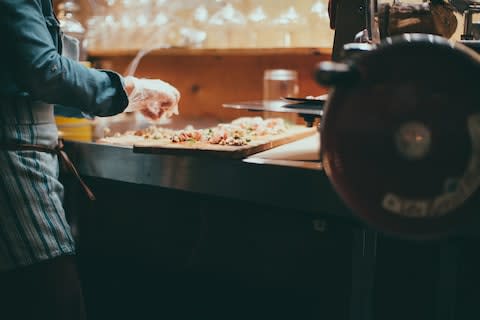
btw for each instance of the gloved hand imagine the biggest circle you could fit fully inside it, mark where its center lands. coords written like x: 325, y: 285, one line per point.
x: 155, y: 99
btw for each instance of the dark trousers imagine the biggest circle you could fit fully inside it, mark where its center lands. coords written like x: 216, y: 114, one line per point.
x: 48, y: 290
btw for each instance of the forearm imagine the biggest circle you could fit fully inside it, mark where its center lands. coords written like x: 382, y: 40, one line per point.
x: 63, y: 81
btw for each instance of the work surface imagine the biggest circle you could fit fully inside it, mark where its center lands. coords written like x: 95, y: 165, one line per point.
x: 289, y: 176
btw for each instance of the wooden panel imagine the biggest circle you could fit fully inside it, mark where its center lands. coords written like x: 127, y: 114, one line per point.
x: 108, y: 54
x: 215, y: 77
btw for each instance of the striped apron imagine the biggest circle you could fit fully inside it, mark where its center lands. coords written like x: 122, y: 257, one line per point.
x: 33, y: 226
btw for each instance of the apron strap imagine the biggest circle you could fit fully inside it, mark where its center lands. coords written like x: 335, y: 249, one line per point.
x: 47, y: 5
x: 58, y: 150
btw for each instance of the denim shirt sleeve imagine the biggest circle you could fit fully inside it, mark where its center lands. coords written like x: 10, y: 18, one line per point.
x: 47, y: 76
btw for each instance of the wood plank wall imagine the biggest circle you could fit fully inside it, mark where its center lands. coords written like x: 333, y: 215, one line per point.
x: 208, y: 80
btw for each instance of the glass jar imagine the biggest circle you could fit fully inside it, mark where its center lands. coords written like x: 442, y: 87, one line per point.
x: 320, y: 33
x: 258, y: 28
x: 226, y: 28
x: 71, y: 26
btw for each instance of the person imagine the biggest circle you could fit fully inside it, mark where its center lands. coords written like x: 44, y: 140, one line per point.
x: 38, y: 275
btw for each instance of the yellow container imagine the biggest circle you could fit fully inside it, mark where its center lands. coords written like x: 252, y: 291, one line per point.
x: 74, y: 128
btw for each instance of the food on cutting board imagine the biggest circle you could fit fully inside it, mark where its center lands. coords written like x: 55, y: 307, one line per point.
x: 239, y: 132
x: 322, y: 97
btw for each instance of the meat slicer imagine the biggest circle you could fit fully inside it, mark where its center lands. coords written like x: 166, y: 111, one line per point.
x: 400, y: 132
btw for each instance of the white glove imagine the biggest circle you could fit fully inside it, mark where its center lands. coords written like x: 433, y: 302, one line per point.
x: 155, y: 99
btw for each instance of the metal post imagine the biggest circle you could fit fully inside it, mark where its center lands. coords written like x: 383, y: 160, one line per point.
x: 350, y: 19
x: 363, y: 274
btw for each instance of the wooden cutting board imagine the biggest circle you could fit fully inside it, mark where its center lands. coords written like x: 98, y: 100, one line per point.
x: 230, y: 152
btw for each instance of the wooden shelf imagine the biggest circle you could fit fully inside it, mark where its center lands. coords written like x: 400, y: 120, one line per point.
x: 99, y: 54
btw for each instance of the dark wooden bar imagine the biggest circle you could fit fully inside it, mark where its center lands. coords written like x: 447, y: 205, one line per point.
x: 183, y: 248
